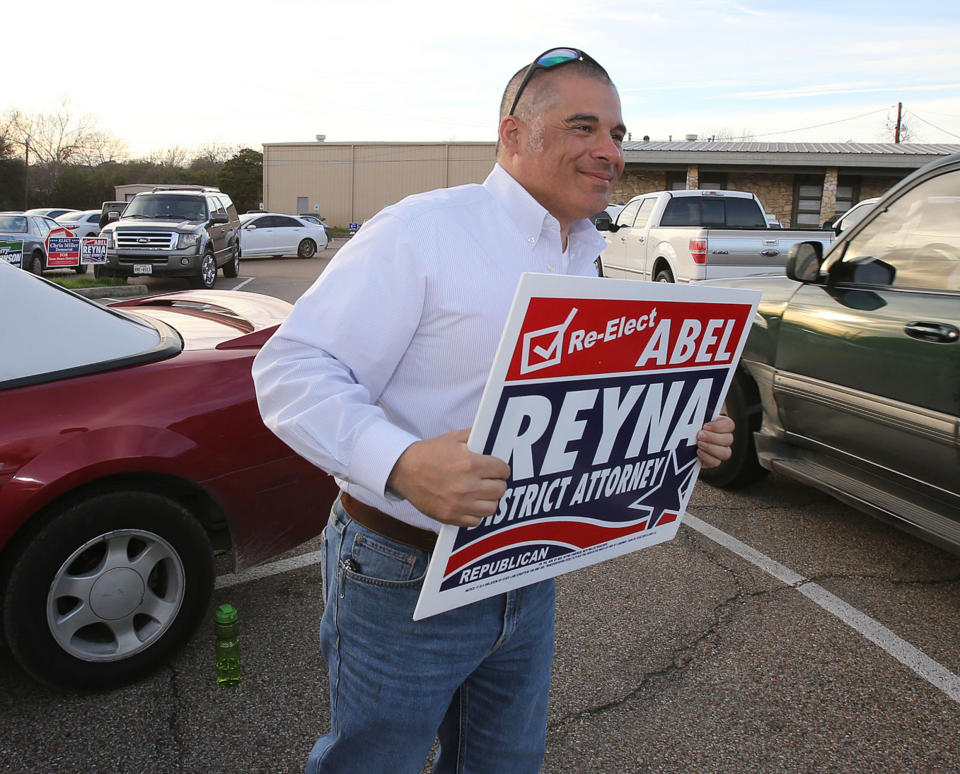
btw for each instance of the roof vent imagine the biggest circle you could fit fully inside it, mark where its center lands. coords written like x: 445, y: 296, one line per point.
x: 690, y: 137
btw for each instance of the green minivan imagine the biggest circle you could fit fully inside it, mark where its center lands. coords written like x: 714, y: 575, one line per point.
x: 850, y: 378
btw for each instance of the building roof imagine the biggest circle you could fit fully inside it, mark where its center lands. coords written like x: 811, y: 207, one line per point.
x: 841, y: 154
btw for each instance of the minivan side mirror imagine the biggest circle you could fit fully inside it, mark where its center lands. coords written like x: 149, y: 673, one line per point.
x: 219, y: 217
x: 804, y: 260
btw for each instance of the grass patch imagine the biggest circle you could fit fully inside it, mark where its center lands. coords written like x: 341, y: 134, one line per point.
x: 83, y: 281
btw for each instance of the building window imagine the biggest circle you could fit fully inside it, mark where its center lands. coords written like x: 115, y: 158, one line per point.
x: 303, y: 204
x: 807, y: 198
x: 848, y: 193
x: 677, y: 180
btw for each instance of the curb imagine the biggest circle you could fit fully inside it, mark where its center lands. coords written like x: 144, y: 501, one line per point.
x: 112, y: 291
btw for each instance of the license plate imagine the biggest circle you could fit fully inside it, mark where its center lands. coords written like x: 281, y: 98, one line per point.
x: 143, y: 268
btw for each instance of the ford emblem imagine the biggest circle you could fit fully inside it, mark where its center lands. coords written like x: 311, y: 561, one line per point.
x: 142, y: 240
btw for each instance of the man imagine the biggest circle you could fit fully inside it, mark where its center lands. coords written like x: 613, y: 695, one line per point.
x: 374, y: 377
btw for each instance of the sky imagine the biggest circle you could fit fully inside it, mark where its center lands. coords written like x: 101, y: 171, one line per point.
x: 425, y: 70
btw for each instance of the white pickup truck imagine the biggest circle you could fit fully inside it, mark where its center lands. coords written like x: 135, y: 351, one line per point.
x: 685, y: 236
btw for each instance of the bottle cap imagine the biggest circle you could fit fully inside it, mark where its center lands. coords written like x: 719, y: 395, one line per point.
x: 226, y: 614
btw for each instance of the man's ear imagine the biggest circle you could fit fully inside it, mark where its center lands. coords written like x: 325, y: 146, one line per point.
x: 510, y: 129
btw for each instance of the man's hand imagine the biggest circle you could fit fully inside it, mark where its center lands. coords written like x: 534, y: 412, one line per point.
x: 714, y: 441
x: 442, y: 478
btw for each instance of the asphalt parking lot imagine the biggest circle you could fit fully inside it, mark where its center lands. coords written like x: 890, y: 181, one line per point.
x: 780, y: 631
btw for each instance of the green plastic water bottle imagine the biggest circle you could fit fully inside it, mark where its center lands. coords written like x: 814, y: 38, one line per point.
x: 227, y: 627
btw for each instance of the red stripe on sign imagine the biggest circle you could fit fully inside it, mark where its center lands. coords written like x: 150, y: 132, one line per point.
x: 576, y: 533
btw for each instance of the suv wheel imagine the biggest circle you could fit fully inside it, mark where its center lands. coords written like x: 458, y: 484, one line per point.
x: 232, y: 267
x: 207, y: 277
x: 307, y: 249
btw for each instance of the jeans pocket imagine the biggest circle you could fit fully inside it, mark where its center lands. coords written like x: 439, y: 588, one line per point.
x: 379, y: 561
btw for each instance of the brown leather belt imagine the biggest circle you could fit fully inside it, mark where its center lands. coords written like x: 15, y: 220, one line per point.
x: 387, y: 526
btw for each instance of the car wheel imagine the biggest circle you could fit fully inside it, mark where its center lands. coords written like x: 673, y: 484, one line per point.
x: 81, y: 269
x: 35, y: 263
x: 107, y: 590
x: 232, y: 267
x: 207, y: 277
x: 742, y: 405
x: 664, y: 275
x: 98, y: 272
x: 307, y: 249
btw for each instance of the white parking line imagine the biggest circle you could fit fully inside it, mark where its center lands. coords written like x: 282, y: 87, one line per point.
x: 241, y: 284
x: 931, y: 671
x: 266, y: 570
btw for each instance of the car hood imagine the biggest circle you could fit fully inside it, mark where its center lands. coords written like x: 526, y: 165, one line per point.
x: 213, y: 318
x: 164, y: 224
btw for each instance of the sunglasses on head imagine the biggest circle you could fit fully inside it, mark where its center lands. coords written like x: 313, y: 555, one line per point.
x: 548, y: 59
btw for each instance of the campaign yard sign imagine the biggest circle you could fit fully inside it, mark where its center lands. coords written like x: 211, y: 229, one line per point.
x: 62, y: 251
x: 595, y: 398
x: 12, y: 252
x: 93, y: 250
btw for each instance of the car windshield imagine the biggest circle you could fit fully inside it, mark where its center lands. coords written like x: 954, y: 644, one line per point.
x: 45, y: 346
x: 13, y: 224
x: 173, y: 207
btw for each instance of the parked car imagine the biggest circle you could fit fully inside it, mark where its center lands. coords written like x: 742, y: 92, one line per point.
x: 854, y: 215
x: 175, y: 231
x: 111, y: 211
x: 83, y: 223
x: 691, y: 235
x: 132, y: 446
x: 849, y: 377
x: 320, y: 221
x: 31, y: 231
x: 50, y: 212
x: 270, y: 233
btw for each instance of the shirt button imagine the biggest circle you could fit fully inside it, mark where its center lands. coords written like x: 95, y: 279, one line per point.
x: 532, y: 240
x: 551, y: 267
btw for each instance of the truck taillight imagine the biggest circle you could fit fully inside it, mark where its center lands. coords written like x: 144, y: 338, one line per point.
x: 698, y: 250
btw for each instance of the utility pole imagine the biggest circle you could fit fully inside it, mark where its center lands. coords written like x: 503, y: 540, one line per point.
x: 896, y: 138
x: 26, y: 172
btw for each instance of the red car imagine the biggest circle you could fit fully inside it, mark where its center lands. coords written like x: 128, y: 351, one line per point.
x: 130, y: 447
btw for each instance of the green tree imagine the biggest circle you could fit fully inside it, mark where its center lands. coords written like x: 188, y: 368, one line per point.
x: 241, y: 177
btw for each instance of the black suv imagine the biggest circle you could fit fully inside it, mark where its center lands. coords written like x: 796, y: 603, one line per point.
x: 175, y: 231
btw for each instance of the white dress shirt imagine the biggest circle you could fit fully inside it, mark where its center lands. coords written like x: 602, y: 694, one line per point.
x: 394, y: 341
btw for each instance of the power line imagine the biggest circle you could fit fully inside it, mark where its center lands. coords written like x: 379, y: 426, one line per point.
x: 939, y: 129
x: 815, y: 126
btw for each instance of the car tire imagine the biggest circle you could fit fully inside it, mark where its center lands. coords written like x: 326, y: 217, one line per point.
x: 207, y: 277
x: 232, y: 267
x: 35, y: 265
x: 664, y: 275
x: 742, y: 405
x: 307, y: 249
x: 81, y: 269
x: 107, y: 590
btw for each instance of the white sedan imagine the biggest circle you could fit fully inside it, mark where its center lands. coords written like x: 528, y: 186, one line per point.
x: 268, y: 233
x: 82, y: 222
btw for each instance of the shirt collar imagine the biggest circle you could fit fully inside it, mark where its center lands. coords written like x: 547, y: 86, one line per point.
x: 530, y: 216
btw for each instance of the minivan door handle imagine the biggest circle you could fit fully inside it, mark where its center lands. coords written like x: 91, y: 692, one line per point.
x: 930, y: 331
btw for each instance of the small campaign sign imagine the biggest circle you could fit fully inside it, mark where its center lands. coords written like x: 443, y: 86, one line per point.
x: 93, y: 250
x: 62, y: 251
x: 594, y: 399
x: 12, y: 252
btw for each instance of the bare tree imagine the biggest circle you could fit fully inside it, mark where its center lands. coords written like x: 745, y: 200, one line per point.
x: 726, y: 134
x: 172, y: 156
x: 61, y: 137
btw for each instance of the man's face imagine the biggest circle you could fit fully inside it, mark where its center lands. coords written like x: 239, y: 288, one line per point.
x: 570, y: 156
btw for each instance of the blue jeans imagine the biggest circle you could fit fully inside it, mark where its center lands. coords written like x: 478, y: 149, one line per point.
x: 477, y: 677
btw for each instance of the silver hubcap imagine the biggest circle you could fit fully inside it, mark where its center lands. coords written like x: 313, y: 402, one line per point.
x: 115, y: 595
